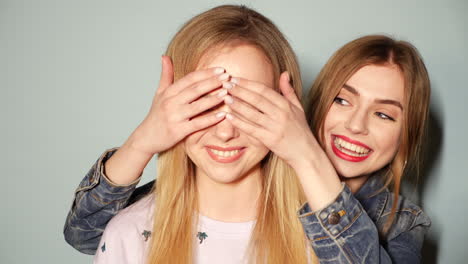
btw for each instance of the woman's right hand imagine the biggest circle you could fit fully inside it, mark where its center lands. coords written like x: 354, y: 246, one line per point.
x: 173, y: 113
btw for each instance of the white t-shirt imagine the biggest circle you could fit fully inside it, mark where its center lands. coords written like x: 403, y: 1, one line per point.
x: 127, y: 237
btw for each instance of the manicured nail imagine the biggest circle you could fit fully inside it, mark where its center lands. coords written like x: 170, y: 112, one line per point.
x: 228, y: 85
x: 228, y: 100
x: 235, y: 80
x: 223, y: 77
x: 222, y: 93
x: 220, y: 114
x: 218, y: 70
x: 229, y: 116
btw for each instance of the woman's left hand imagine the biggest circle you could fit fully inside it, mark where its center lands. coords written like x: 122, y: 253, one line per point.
x: 278, y: 121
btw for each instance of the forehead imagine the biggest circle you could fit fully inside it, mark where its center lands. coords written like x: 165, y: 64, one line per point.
x: 241, y: 60
x: 379, y: 81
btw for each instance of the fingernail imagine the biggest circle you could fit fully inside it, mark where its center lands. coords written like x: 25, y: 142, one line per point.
x: 222, y: 93
x: 228, y: 85
x: 229, y: 116
x: 287, y: 77
x: 235, y: 80
x: 228, y: 99
x: 220, y: 114
x: 223, y: 77
x: 218, y: 70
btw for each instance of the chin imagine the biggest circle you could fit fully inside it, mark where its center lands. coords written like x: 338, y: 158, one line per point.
x: 224, y: 176
x: 348, y: 174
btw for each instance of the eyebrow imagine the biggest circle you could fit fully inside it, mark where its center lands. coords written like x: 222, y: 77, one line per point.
x: 380, y: 101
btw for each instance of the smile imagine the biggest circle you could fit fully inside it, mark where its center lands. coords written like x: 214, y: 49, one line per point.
x: 225, y: 155
x: 350, y: 150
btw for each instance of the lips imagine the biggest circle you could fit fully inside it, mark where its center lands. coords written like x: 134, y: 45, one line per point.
x: 350, y: 150
x: 225, y: 155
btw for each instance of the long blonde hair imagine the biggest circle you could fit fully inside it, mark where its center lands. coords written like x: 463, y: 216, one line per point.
x: 278, y: 236
x: 378, y: 50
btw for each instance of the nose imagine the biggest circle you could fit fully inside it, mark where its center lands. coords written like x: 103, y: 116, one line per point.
x: 225, y: 131
x: 357, y: 122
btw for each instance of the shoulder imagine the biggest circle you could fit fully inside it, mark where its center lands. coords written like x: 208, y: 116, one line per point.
x: 137, y: 215
x: 408, y: 215
x: 126, y: 235
x: 130, y: 223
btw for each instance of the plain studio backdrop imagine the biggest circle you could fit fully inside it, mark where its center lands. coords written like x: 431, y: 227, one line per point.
x: 77, y: 77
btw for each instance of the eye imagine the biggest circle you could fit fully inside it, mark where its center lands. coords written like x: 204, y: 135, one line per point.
x: 384, y: 116
x: 341, y: 101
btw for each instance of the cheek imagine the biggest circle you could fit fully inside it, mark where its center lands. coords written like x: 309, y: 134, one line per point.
x: 260, y: 148
x: 256, y: 143
x: 389, y: 140
x: 333, y: 117
x: 191, y: 142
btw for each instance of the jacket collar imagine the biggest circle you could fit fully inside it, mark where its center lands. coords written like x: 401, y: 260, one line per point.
x: 373, y: 185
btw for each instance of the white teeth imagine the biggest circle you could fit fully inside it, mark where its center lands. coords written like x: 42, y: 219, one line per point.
x: 350, y: 148
x: 347, y: 145
x: 224, y: 154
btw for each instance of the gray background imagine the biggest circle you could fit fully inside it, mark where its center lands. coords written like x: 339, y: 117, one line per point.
x: 77, y: 78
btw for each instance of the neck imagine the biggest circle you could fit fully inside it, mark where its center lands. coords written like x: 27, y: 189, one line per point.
x: 355, y: 183
x: 230, y: 202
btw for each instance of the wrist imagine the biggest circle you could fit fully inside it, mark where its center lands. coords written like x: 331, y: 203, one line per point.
x: 318, y: 179
x: 140, y: 143
x: 137, y: 146
x: 127, y: 164
x: 310, y: 156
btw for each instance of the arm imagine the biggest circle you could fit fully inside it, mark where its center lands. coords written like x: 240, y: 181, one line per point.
x: 351, y: 237
x: 343, y: 232
x: 97, y: 200
x: 108, y: 186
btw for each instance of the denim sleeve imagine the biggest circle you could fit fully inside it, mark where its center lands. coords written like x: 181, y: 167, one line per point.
x: 343, y: 232
x: 96, y: 201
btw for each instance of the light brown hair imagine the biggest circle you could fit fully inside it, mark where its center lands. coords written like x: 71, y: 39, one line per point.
x: 378, y: 50
x: 278, y: 236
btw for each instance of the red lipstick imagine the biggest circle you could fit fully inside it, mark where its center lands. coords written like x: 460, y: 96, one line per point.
x: 352, y: 141
x: 346, y: 156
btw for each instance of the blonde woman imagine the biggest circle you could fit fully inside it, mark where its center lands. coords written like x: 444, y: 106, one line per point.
x: 221, y: 196
x: 360, y: 110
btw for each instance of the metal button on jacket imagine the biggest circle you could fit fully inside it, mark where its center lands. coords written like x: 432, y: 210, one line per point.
x: 334, y: 218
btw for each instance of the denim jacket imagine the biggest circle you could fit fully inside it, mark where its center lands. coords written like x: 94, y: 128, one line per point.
x: 349, y: 230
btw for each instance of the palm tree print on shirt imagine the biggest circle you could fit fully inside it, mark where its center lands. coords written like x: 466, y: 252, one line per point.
x: 202, y: 236
x: 146, y: 234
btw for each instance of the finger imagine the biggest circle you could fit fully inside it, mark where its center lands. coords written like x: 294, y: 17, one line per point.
x: 202, y: 122
x: 167, y: 73
x: 287, y: 90
x: 201, y: 105
x: 194, y: 77
x: 260, y: 88
x: 247, y: 112
x: 256, y: 100
x: 196, y: 90
x: 246, y: 127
